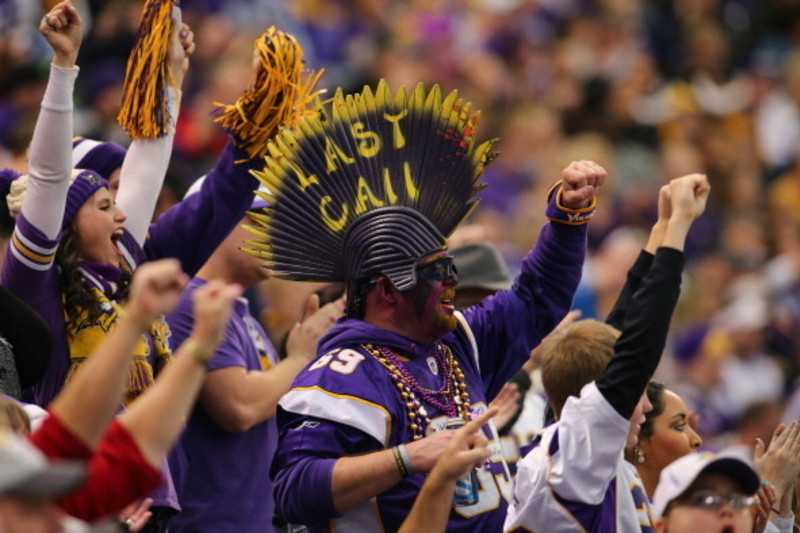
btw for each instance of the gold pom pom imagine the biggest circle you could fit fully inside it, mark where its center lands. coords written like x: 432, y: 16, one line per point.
x: 280, y: 92
x: 144, y: 112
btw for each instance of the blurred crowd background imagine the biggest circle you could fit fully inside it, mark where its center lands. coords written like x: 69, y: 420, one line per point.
x: 650, y: 89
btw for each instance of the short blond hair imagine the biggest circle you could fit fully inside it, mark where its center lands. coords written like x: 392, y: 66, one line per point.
x: 573, y: 356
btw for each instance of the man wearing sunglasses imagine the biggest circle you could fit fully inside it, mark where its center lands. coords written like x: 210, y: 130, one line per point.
x: 363, y: 423
x: 702, y: 493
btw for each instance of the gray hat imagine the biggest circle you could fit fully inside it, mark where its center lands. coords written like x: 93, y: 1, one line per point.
x: 480, y: 266
x: 26, y: 473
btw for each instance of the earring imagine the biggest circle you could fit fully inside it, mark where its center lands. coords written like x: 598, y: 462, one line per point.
x: 639, y: 455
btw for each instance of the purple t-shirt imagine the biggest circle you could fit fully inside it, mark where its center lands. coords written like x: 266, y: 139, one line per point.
x: 226, y: 485
x: 345, y: 403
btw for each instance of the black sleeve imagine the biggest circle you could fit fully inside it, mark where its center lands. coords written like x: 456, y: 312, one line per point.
x: 636, y: 273
x: 637, y: 352
x: 28, y: 335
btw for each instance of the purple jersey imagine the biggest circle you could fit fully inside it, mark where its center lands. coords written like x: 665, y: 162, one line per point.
x: 226, y: 486
x: 345, y: 403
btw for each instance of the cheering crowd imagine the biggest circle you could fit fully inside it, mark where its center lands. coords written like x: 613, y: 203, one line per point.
x: 285, y: 343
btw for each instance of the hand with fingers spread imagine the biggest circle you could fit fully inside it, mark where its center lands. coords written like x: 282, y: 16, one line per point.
x: 507, y: 404
x: 580, y: 182
x: 779, y: 464
x: 63, y: 29
x: 305, y: 335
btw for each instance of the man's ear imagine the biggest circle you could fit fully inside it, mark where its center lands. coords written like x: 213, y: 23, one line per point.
x: 385, y: 289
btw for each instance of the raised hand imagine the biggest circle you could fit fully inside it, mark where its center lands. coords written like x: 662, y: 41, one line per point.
x: 155, y: 289
x: 688, y: 196
x: 780, y: 463
x: 506, y: 403
x: 305, y: 335
x: 580, y: 181
x: 63, y: 29
x: 181, y: 47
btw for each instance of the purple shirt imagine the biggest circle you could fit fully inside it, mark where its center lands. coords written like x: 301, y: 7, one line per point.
x: 226, y: 485
x: 345, y: 403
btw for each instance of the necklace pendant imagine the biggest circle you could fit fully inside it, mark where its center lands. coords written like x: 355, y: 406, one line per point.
x: 432, y: 366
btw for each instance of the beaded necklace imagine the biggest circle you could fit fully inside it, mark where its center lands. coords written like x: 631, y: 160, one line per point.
x: 453, y: 389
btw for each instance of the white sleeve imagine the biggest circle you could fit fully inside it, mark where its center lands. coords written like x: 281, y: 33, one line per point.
x: 783, y: 525
x: 143, y: 173
x: 590, y: 440
x: 50, y: 160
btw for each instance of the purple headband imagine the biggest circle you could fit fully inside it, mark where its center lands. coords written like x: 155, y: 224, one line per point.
x: 80, y: 190
x: 104, y: 158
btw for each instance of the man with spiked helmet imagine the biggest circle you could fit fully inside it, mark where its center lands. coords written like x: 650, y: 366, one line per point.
x: 367, y: 193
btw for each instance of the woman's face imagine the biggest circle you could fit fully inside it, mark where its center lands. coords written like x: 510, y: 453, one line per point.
x: 99, y: 225
x: 672, y: 436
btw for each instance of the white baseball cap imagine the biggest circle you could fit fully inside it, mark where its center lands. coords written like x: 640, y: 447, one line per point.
x: 26, y: 473
x: 680, y: 474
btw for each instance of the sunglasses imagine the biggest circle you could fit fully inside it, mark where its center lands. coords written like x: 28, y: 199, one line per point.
x: 438, y: 270
x: 714, y: 501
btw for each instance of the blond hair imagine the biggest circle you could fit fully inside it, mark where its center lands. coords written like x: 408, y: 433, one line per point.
x: 19, y: 187
x: 574, y: 356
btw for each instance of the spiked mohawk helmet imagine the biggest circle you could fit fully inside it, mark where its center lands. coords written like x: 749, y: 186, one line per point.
x: 367, y: 186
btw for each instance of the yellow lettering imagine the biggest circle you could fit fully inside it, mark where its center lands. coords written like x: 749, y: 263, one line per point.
x: 333, y: 152
x: 364, y: 193
x: 411, y: 189
x: 370, y: 141
x: 399, y: 139
x: 333, y: 224
x: 387, y: 184
x: 305, y: 181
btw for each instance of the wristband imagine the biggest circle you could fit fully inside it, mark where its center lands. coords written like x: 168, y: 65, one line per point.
x: 403, y: 460
x: 200, y: 354
x: 558, y: 213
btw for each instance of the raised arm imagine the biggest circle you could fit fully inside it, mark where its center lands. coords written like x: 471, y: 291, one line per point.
x: 637, y: 272
x: 50, y: 165
x: 155, y: 420
x: 638, y: 350
x: 147, y: 160
x: 191, y: 230
x: 513, y: 322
